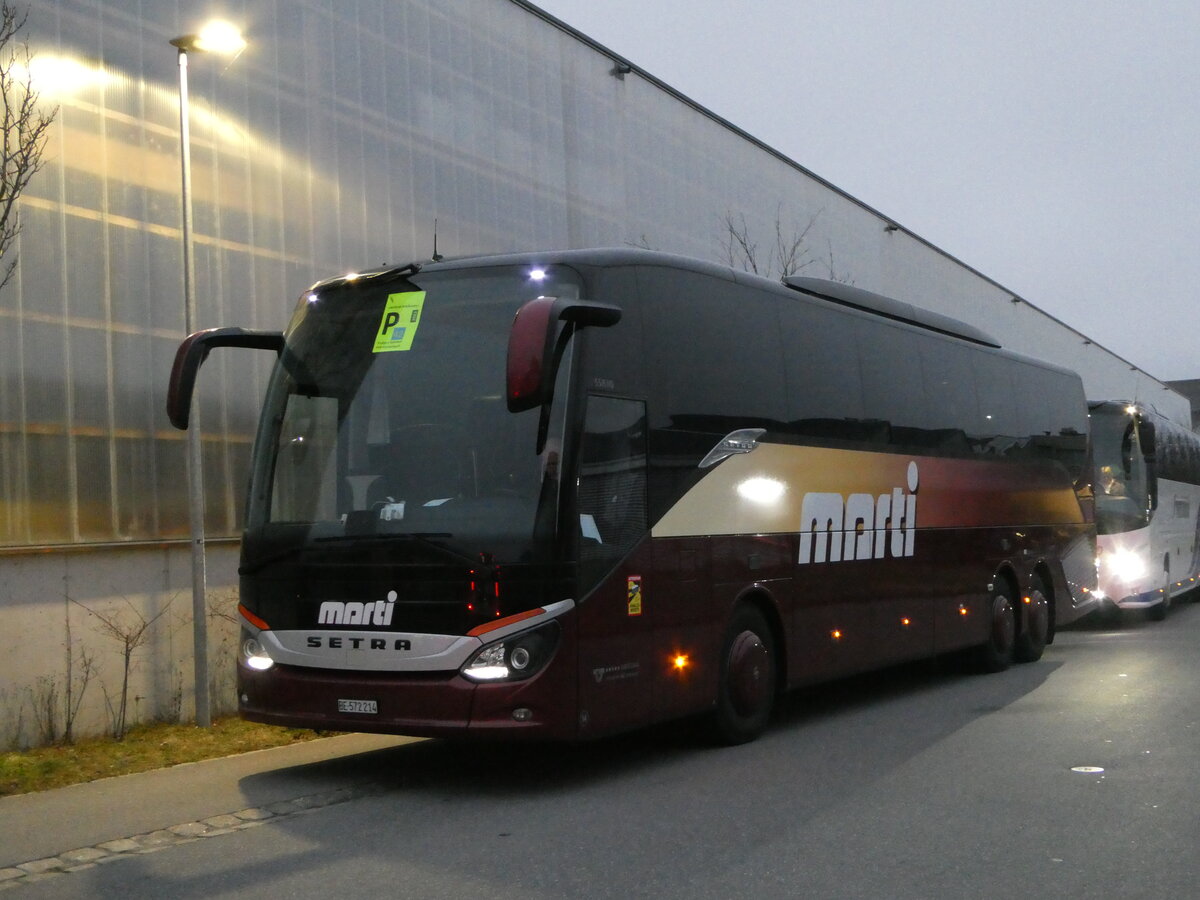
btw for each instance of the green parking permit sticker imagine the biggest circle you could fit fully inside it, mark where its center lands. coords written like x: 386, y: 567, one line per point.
x: 401, y: 317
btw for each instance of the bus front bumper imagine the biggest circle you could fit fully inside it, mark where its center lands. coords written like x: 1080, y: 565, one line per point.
x: 436, y: 704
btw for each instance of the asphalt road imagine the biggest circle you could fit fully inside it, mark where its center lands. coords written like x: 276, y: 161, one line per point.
x: 916, y: 782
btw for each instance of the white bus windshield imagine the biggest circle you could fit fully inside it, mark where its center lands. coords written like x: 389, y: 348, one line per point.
x: 1122, y: 486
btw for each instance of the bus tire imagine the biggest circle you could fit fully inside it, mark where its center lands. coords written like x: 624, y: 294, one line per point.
x: 995, y: 654
x: 1031, y: 640
x: 746, y: 685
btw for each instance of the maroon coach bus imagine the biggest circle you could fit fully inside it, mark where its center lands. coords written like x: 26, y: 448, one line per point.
x: 565, y: 494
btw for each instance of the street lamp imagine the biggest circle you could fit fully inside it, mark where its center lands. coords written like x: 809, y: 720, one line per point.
x: 223, y: 38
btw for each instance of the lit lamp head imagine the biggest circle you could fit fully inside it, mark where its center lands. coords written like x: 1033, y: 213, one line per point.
x: 218, y: 37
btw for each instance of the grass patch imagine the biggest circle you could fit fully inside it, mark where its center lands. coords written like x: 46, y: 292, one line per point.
x: 145, y: 747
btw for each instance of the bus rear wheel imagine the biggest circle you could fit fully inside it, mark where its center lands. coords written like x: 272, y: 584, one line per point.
x: 1035, y: 629
x: 995, y: 654
x: 746, y: 689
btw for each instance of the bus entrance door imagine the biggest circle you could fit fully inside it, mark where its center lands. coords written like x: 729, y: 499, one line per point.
x: 616, y: 671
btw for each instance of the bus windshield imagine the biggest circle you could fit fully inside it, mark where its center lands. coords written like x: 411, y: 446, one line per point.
x: 1122, y: 487
x: 386, y: 420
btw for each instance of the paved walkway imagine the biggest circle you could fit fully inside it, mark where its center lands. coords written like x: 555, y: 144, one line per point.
x: 47, y: 834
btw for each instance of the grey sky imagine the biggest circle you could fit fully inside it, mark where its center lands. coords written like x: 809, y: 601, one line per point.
x: 1052, y: 144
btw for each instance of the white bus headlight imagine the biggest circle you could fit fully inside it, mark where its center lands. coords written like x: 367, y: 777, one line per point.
x: 515, y: 657
x: 254, y: 655
x: 1126, y: 565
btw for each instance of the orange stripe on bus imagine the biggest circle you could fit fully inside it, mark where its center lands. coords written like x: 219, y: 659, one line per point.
x: 507, y: 620
x: 253, y: 619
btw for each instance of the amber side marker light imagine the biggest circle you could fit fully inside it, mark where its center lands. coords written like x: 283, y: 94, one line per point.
x: 680, y: 662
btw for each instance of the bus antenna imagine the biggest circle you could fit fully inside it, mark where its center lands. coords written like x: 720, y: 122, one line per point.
x: 437, y: 257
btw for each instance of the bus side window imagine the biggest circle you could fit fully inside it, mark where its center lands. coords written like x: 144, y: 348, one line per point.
x: 305, y: 476
x: 998, y: 430
x: 612, y: 478
x: 824, y: 379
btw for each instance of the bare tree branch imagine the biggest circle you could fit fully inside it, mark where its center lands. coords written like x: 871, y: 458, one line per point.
x: 131, y: 633
x: 25, y: 128
x: 791, y: 251
x: 738, y: 250
x: 788, y: 255
x: 844, y: 277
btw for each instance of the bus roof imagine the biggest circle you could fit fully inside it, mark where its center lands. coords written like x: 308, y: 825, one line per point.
x: 832, y: 291
x: 851, y: 296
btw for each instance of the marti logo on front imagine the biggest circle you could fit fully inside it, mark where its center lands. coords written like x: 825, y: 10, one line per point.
x: 834, y: 528
x: 333, y: 612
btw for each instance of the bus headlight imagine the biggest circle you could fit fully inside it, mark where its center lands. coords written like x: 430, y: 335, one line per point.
x: 1126, y: 565
x: 514, y: 658
x: 253, y: 654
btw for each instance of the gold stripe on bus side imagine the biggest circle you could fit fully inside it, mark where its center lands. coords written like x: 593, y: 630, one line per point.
x: 763, y: 492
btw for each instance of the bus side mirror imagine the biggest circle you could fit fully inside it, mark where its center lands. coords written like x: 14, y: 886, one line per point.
x: 191, y: 355
x: 532, y: 353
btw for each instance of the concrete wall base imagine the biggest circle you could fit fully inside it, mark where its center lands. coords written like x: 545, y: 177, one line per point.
x: 72, y: 616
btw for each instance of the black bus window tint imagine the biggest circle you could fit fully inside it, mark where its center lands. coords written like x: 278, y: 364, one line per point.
x: 1191, y: 467
x: 949, y: 381
x: 998, y: 430
x: 824, y: 382
x: 1165, y: 456
x: 717, y: 347
x: 718, y: 361
x: 612, y: 480
x: 1053, y: 405
x: 892, y: 390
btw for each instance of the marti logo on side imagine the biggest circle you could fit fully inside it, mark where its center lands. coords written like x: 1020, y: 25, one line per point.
x: 869, y: 526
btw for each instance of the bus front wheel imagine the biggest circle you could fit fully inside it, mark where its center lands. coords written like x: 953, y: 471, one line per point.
x: 746, y: 689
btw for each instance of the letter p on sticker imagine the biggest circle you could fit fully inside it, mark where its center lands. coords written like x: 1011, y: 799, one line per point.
x: 400, y: 308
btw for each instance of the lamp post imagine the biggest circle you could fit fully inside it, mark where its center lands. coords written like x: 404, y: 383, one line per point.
x: 216, y: 37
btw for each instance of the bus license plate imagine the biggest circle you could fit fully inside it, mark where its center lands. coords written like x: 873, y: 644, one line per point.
x: 358, y: 706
